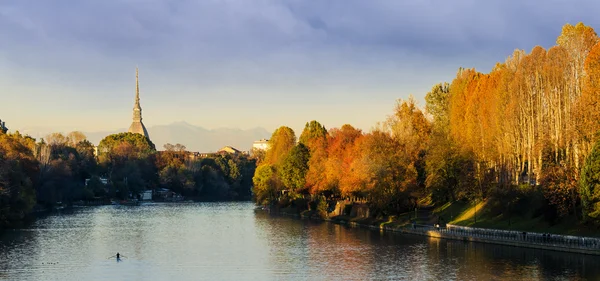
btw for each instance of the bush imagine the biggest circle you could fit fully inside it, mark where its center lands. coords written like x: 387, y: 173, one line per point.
x: 321, y: 208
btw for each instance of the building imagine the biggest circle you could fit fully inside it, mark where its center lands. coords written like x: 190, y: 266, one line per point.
x: 104, y: 181
x: 137, y: 126
x: 3, y: 127
x: 229, y: 150
x: 261, y: 144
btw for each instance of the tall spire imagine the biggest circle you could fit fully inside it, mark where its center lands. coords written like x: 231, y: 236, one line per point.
x: 137, y: 88
x: 137, y: 109
x: 137, y: 126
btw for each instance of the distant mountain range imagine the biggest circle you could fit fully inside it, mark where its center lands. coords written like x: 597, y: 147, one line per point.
x: 195, y: 138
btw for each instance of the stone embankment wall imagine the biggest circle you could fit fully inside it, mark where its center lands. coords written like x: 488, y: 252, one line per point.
x: 566, y: 243
x: 352, y: 208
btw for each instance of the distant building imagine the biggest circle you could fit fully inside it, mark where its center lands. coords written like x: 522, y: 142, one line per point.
x: 102, y: 180
x: 229, y: 150
x: 198, y: 155
x: 261, y: 144
x: 146, y: 195
x: 137, y: 126
x: 3, y: 127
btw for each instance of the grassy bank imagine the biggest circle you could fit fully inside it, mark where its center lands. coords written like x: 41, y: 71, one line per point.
x: 465, y: 214
x: 482, y: 215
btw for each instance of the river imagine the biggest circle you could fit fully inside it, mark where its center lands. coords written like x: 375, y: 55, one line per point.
x: 231, y: 241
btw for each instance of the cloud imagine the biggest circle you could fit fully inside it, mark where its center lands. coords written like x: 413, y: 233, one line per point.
x: 232, y: 30
x: 273, y: 51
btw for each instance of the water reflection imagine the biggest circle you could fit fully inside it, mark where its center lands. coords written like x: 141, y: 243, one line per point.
x: 229, y: 241
x: 329, y: 251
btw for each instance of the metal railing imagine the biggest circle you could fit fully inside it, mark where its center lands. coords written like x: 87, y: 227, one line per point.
x: 545, y: 239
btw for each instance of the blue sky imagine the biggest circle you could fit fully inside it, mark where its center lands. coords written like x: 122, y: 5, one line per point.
x: 70, y: 65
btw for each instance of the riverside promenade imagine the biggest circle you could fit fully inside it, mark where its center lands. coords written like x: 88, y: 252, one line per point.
x: 546, y: 241
x: 564, y: 243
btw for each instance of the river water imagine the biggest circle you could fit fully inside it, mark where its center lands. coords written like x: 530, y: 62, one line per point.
x: 231, y: 241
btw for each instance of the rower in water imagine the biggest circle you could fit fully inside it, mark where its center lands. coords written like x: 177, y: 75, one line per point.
x: 118, y: 256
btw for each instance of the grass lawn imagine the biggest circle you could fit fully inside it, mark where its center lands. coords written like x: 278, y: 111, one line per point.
x: 479, y: 215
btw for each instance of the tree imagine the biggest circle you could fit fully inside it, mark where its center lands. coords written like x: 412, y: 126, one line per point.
x: 87, y: 159
x: 266, y: 185
x: 18, y: 176
x: 142, y: 146
x: 75, y: 137
x: 589, y: 185
x: 437, y: 104
x: 390, y: 176
x: 56, y: 139
x: 339, y: 159
x: 450, y: 172
x: 313, y: 131
x: 578, y: 41
x: 280, y: 144
x: 128, y: 160
x: 588, y: 106
x: 559, y: 186
x: 411, y: 130
x: 177, y: 178
x: 294, y: 167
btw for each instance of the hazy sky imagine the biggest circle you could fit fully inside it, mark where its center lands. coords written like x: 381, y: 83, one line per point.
x: 71, y: 64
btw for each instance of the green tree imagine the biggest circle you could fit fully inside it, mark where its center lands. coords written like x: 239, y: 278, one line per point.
x: 140, y: 145
x: 437, y: 104
x: 293, y: 169
x: 589, y: 185
x: 128, y: 159
x: 87, y: 159
x: 178, y: 179
x: 313, y: 131
x: 266, y: 186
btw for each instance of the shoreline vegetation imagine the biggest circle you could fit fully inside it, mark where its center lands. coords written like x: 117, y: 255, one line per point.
x: 516, y: 148
x: 59, y: 171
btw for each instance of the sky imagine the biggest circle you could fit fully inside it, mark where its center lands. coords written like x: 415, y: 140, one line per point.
x: 70, y: 65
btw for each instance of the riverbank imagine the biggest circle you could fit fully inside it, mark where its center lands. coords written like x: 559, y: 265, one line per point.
x: 403, y: 224
x: 484, y: 215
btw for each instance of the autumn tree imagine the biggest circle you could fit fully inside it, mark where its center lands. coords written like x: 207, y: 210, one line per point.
x: 280, y: 144
x: 559, y: 186
x: 588, y: 106
x: 578, y: 40
x: 315, y: 138
x: 389, y: 174
x: 339, y: 144
x: 411, y: 131
x: 18, y: 176
x: 75, y: 137
x: 56, y: 139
